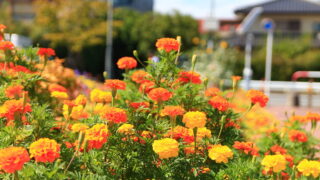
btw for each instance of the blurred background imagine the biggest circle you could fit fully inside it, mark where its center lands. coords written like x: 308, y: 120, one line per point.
x: 273, y: 44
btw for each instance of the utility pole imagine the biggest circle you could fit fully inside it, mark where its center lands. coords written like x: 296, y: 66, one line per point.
x: 108, y: 65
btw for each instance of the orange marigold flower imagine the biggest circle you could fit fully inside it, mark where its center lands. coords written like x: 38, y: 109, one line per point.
x: 146, y: 86
x: 59, y: 95
x: 96, y: 136
x: 275, y: 163
x: 235, y: 78
x: 2, y: 27
x: 210, y: 92
x: 219, y: 103
x: 11, y: 108
x: 6, y: 45
x: 79, y: 127
x: 297, y: 136
x: 12, y: 159
x: 246, y: 147
x: 137, y: 105
x: 80, y: 100
x: 220, y: 153
x: 168, y: 44
x: 202, y: 133
x: 278, y: 149
x: 159, y: 94
x: 180, y: 132
x: 189, y: 76
x: 140, y: 76
x: 313, y: 116
x: 172, y: 111
x: 257, y: 97
x: 45, y: 150
x: 78, y: 112
x: 194, y: 119
x: 114, y: 115
x: 99, y: 96
x: 125, y: 129
x: 46, y: 52
x: 14, y: 91
x: 126, y: 63
x: 146, y: 134
x: 308, y: 168
x: 115, y: 84
x: 166, y: 148
x: 57, y: 87
x: 301, y: 119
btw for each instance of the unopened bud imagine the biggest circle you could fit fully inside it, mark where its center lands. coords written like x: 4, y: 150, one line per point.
x: 105, y: 75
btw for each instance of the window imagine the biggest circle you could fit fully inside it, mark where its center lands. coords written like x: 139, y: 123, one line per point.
x: 294, y: 25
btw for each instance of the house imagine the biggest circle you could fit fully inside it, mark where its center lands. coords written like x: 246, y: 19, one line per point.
x: 292, y: 18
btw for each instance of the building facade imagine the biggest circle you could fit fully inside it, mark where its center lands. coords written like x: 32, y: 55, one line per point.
x: 139, y: 5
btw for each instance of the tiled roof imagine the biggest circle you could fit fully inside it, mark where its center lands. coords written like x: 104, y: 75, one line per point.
x: 285, y: 7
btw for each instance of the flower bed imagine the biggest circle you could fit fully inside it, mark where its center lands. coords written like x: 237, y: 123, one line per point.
x: 160, y: 122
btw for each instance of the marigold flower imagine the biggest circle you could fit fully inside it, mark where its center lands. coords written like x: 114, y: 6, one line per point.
x: 278, y: 149
x: 11, y: 108
x: 297, y: 136
x: 6, y: 45
x: 125, y: 129
x: 189, y: 77
x: 220, y: 153
x: 276, y: 163
x: 80, y: 100
x: 194, y: 119
x: 172, y: 111
x: 45, y: 150
x: 159, y: 94
x: 180, y: 132
x: 57, y: 87
x: 115, y: 84
x: 96, y: 136
x: 246, y: 147
x: 79, y: 127
x: 2, y: 27
x: 46, y: 52
x: 59, y: 95
x: 210, y: 92
x: 12, y: 159
x: 140, y: 76
x: 235, y: 78
x: 146, y: 87
x: 219, y: 103
x: 313, y: 116
x: 257, y: 97
x: 308, y: 168
x: 114, y: 115
x: 137, y: 105
x: 168, y: 44
x: 127, y: 63
x: 301, y: 119
x: 146, y: 134
x: 202, y: 133
x: 14, y: 91
x: 99, y: 96
x: 78, y: 112
x: 166, y: 148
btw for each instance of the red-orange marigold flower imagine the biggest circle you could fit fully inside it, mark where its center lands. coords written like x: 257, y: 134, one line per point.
x: 313, y: 116
x: 57, y: 87
x: 96, y: 136
x: 45, y: 150
x: 257, y: 97
x: 140, y: 76
x: 12, y: 159
x: 168, y: 44
x: 14, y: 91
x: 172, y: 111
x: 246, y: 147
x: 126, y: 63
x: 46, y: 52
x: 6, y: 45
x: 115, y: 84
x: 159, y: 94
x: 146, y: 86
x: 136, y: 105
x: 297, y: 136
x: 115, y: 115
x: 278, y: 149
x: 11, y: 108
x: 210, y: 92
x: 189, y: 76
x: 219, y: 103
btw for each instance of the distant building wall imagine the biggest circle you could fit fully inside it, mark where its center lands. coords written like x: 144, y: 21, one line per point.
x: 140, y: 5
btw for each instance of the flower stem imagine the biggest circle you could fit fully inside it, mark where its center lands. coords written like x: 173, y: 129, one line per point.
x: 221, y: 125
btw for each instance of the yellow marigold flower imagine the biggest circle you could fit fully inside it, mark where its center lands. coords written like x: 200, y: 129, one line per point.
x: 276, y: 163
x: 166, y: 148
x: 79, y: 127
x: 220, y: 153
x: 80, y: 100
x: 78, y: 113
x: 194, y: 119
x: 65, y: 111
x: 308, y: 168
x: 100, y: 96
x: 96, y: 136
x: 125, y: 129
x: 99, y: 108
x: 202, y: 133
x: 59, y: 95
x: 45, y: 150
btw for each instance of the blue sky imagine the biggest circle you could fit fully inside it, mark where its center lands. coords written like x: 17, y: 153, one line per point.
x: 201, y: 8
